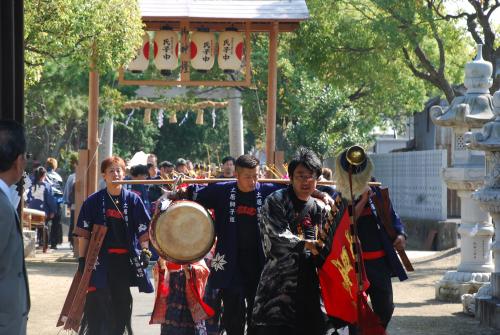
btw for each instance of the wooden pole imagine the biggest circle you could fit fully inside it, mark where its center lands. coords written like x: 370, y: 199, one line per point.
x: 185, y: 51
x: 81, y: 192
x: 217, y: 180
x: 248, y: 54
x: 272, y: 86
x: 92, y: 137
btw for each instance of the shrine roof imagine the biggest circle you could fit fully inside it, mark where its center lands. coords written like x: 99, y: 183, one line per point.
x: 292, y: 11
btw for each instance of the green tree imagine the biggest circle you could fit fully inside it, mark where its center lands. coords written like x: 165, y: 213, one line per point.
x: 55, y: 111
x: 56, y: 108
x: 106, y: 31
x: 386, y: 54
x: 134, y: 136
x: 310, y: 111
x: 479, y: 20
x: 188, y: 140
x: 326, y: 123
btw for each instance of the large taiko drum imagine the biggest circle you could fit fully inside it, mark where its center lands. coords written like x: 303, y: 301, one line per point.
x: 183, y: 232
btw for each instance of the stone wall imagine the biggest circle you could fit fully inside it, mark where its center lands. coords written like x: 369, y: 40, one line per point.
x: 414, y: 179
x: 419, y: 195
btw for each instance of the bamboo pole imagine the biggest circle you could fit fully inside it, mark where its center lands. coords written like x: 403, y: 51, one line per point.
x: 218, y: 180
x: 176, y: 106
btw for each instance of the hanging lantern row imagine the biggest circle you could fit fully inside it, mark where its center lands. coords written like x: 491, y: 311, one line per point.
x: 203, y: 49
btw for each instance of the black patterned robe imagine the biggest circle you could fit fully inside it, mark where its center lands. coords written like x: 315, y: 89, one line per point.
x: 288, y: 292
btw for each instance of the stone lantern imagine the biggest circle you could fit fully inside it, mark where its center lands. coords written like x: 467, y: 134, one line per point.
x: 466, y: 175
x: 488, y: 140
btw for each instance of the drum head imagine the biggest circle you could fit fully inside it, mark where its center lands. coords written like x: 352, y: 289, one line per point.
x: 184, y: 233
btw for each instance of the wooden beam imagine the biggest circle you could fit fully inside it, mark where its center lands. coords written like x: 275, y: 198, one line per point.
x: 159, y: 82
x: 218, y: 25
x: 93, y: 130
x: 272, y: 86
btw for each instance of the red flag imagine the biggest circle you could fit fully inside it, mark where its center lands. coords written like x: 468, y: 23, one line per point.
x: 339, y: 284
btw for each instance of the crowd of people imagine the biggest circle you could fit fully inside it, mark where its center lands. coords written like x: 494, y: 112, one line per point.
x: 264, y: 274
x: 261, y: 276
x: 46, y: 192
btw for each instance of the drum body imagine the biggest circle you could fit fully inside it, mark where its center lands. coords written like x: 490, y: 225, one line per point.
x: 183, y: 232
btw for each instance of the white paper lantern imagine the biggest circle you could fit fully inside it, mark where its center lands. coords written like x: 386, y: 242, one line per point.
x: 141, y: 61
x: 230, y: 51
x: 167, y: 58
x: 202, y: 50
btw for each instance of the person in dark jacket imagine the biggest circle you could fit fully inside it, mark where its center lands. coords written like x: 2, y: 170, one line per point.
x: 14, y: 288
x: 288, y: 296
x: 379, y: 256
x: 40, y: 197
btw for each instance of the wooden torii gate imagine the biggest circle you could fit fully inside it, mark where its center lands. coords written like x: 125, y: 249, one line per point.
x: 249, y: 16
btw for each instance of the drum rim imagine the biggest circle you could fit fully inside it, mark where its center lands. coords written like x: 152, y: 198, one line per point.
x: 163, y: 254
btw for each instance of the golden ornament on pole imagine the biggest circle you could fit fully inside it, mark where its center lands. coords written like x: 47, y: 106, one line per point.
x: 173, y: 117
x: 147, y: 116
x: 199, y: 117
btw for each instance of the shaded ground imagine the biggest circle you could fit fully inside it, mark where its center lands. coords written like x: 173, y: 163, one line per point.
x: 417, y: 313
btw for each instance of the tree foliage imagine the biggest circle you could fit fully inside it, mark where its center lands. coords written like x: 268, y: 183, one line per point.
x: 327, y: 123
x: 134, y: 136
x: 105, y: 31
x: 186, y: 139
x: 387, y: 53
x: 55, y: 111
x: 353, y: 65
x: 414, y: 43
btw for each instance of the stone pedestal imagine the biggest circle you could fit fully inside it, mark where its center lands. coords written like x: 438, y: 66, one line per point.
x: 455, y: 284
x: 476, y: 229
x: 488, y: 140
x: 466, y: 175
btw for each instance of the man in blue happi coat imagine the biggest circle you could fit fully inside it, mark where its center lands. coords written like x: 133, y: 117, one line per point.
x: 120, y: 265
x: 239, y: 257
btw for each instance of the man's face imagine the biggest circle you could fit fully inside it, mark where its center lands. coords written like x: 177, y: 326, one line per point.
x: 151, y: 160
x: 112, y: 173
x: 246, y: 179
x: 303, y: 182
x: 182, y: 169
x: 166, y: 170
x: 152, y: 171
x: 228, y: 169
